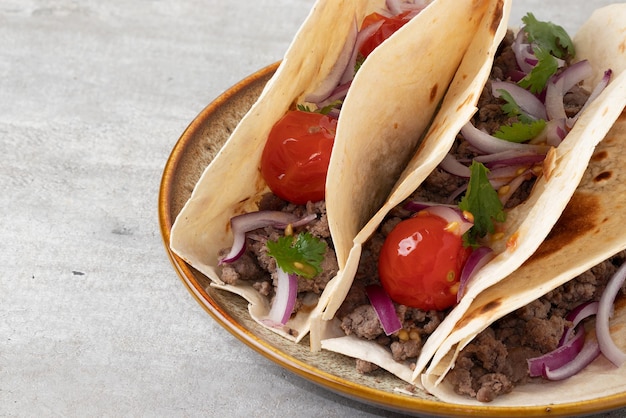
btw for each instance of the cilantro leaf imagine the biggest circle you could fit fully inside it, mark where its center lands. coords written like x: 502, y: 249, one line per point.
x: 520, y: 131
x: 328, y: 108
x: 512, y: 109
x: 546, y: 67
x: 301, y: 254
x: 482, y: 201
x: 324, y: 110
x: 548, y: 36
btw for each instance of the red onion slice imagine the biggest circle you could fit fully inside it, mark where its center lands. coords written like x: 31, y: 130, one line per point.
x: 489, y: 144
x: 453, y: 166
x: 477, y: 260
x: 559, y: 357
x: 335, y: 76
x: 607, y: 345
x: 576, y: 315
x: 285, y: 297
x: 523, y: 53
x: 589, y: 352
x: 594, y: 95
x: 247, y: 222
x: 528, y: 102
x: 362, y: 36
x: 458, y: 224
x: 560, y: 84
x: 385, y: 310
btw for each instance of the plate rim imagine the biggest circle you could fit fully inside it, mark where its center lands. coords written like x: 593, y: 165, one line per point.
x: 384, y: 399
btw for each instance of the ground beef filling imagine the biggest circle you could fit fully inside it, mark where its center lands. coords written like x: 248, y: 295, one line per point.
x: 258, y: 269
x: 495, y: 362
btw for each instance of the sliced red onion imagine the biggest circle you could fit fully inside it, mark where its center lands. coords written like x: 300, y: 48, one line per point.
x: 528, y: 102
x: 575, y: 74
x: 605, y: 308
x: 554, y: 99
x: 247, y: 222
x: 575, y: 316
x: 606, y: 78
x: 489, y: 144
x: 589, y: 352
x: 453, y: 166
x: 334, y: 77
x: 510, y: 157
x: 285, y: 297
x: 385, y: 310
x: 560, y: 84
x: 554, y: 133
x: 457, y: 223
x: 477, y: 260
x: 362, y: 36
x: 339, y: 93
x: 559, y: 357
x: 523, y: 52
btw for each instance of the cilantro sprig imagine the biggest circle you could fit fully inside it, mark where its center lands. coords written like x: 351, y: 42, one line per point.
x: 549, y: 42
x: 526, y: 127
x: 481, y: 200
x: 520, y: 132
x: 300, y: 254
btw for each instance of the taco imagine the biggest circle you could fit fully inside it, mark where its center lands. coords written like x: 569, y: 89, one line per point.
x: 261, y: 232
x: 396, y: 332
x: 522, y: 325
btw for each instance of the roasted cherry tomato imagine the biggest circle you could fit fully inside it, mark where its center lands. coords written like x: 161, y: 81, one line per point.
x: 388, y: 27
x: 296, y: 156
x: 420, y: 263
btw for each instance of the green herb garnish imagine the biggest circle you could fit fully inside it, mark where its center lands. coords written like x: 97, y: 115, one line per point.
x: 520, y: 132
x: 324, y: 110
x: 548, y: 36
x: 549, y: 42
x: 481, y: 200
x: 301, y: 254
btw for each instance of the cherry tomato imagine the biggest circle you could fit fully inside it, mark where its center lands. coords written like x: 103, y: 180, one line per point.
x: 296, y: 156
x: 388, y: 27
x: 420, y: 263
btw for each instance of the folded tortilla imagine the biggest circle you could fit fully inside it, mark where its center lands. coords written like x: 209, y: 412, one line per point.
x: 589, y: 231
x: 431, y: 45
x: 528, y: 224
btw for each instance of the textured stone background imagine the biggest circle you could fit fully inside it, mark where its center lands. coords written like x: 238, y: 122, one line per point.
x: 93, y: 96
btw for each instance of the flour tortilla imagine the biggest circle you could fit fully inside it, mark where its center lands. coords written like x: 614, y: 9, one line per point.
x: 587, y: 233
x: 528, y: 224
x: 232, y: 184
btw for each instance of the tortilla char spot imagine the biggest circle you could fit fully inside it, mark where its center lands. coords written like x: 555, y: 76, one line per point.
x: 466, y: 102
x: 581, y: 216
x: 433, y: 92
x: 599, y: 156
x: 605, y: 175
x: 622, y: 47
x: 497, y: 17
x: 483, y: 310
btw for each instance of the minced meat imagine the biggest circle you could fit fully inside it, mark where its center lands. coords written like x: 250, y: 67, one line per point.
x: 256, y: 268
x: 501, y: 351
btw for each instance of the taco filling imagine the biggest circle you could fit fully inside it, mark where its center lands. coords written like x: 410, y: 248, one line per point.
x: 415, y: 267
x: 542, y: 340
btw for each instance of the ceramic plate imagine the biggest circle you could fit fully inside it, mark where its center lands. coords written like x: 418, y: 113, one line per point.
x: 192, y: 153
